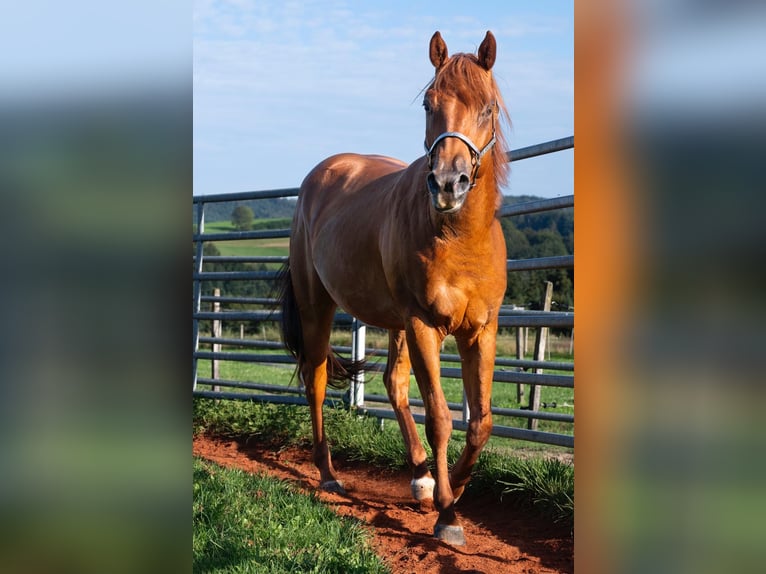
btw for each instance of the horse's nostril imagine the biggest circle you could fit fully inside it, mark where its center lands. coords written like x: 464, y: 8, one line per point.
x: 464, y: 179
x: 432, y: 184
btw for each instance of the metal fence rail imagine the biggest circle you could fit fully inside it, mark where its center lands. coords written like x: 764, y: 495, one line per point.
x: 522, y: 371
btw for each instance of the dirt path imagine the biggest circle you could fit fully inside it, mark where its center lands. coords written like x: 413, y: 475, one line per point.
x: 499, y: 540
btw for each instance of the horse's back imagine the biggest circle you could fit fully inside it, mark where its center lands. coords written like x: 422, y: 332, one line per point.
x: 347, y: 173
x: 347, y: 190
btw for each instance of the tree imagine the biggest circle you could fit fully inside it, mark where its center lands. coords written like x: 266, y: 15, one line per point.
x: 242, y: 217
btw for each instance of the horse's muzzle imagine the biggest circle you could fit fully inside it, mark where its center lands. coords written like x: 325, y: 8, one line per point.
x: 448, y: 189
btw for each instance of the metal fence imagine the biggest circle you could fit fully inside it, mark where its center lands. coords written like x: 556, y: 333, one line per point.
x: 522, y: 371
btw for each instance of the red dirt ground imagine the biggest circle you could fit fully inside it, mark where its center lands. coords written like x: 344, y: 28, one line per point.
x: 499, y: 540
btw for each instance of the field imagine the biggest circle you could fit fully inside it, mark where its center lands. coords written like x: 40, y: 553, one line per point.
x: 248, y: 247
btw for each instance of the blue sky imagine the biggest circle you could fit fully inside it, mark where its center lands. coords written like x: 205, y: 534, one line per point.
x: 280, y: 85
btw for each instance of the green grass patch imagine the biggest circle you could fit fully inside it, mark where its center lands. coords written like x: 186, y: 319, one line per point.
x: 258, y: 225
x: 546, y: 484
x: 251, y: 247
x: 253, y: 523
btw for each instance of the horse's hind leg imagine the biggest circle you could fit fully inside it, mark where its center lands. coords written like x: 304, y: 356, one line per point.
x: 313, y: 371
x: 316, y: 310
x: 397, y: 381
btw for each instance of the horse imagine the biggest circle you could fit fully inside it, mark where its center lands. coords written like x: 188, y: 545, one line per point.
x: 415, y: 249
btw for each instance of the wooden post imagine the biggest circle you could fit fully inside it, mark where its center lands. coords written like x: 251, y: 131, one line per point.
x: 241, y: 330
x: 216, y: 334
x: 571, y: 342
x: 520, y: 355
x: 540, y: 340
x: 525, y: 330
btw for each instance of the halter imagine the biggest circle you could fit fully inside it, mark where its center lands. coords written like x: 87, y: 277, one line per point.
x: 476, y: 153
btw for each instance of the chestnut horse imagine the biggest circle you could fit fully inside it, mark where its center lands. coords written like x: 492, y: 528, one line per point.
x: 417, y: 250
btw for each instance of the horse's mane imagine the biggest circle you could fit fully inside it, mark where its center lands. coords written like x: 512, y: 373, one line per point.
x: 463, y: 75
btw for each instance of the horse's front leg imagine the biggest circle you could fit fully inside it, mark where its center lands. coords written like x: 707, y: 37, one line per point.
x: 397, y: 381
x: 424, y: 342
x: 477, y: 352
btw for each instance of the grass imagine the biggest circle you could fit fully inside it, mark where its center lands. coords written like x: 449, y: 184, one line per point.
x: 253, y: 523
x: 546, y: 484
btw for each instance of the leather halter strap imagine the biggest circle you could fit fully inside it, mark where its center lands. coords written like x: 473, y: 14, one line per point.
x: 476, y: 153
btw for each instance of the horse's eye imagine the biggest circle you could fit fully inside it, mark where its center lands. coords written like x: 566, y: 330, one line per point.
x: 426, y: 107
x: 488, y: 110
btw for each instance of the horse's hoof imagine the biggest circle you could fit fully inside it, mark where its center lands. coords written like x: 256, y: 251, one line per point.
x: 450, y: 534
x: 422, y: 488
x: 335, y: 486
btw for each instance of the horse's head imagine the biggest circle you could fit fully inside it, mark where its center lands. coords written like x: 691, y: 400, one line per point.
x: 462, y: 106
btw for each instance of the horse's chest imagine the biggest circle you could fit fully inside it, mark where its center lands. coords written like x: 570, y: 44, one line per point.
x: 453, y: 305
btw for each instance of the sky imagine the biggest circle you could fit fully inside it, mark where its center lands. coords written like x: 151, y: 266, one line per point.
x: 280, y: 85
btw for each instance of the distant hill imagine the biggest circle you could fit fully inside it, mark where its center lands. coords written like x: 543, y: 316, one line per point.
x: 281, y: 208
x: 262, y: 209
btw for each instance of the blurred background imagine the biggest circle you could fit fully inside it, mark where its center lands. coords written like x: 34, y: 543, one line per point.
x: 95, y: 182
x: 670, y: 105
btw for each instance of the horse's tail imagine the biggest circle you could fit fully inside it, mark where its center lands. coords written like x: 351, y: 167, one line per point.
x: 340, y: 371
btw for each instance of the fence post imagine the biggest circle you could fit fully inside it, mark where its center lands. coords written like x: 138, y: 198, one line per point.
x: 197, y: 289
x: 358, y: 335
x: 525, y: 331
x: 520, y: 355
x: 216, y: 334
x: 540, y: 340
x: 571, y: 342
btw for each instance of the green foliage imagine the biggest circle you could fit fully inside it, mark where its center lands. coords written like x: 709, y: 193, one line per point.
x: 530, y: 236
x: 278, y: 424
x: 235, y: 288
x: 361, y: 438
x: 253, y: 523
x: 242, y: 218
x: 278, y: 223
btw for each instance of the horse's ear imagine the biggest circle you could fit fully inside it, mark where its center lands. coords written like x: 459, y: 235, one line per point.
x: 438, y: 50
x: 487, y: 51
